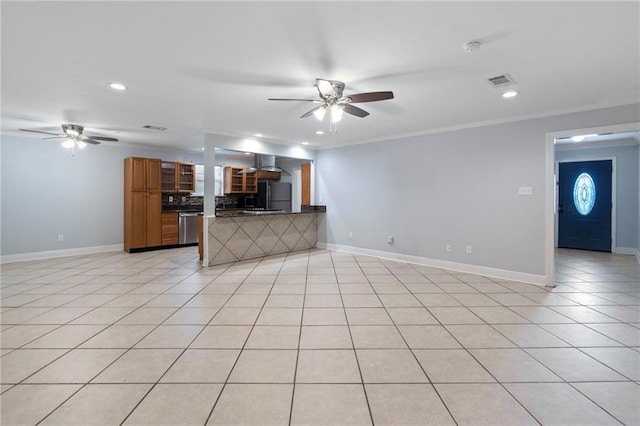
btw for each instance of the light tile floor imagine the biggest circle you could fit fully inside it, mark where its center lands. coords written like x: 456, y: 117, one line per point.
x: 316, y: 337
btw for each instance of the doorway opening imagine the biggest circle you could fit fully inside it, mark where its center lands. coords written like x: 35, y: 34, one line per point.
x: 586, y: 216
x: 594, y: 144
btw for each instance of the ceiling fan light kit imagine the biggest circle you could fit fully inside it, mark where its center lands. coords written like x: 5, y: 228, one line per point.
x: 320, y: 112
x: 336, y: 104
x: 336, y: 113
x: 71, y: 143
x: 74, y: 137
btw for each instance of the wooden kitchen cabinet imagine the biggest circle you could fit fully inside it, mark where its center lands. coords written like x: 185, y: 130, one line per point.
x: 169, y: 229
x: 186, y: 174
x: 306, y: 184
x: 144, y: 174
x: 234, y: 183
x: 267, y: 175
x: 178, y: 177
x: 142, y: 203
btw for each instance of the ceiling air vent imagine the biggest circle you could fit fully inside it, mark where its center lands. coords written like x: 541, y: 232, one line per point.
x: 501, y: 80
x: 154, y: 127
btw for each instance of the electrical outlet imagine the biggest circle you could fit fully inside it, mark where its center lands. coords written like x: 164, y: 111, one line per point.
x: 525, y: 190
x: 60, y: 237
x: 389, y: 239
x: 350, y: 234
x: 449, y: 247
x: 469, y: 251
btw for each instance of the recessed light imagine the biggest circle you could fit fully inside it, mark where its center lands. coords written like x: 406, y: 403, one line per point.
x: 118, y: 86
x: 510, y: 94
x: 203, y: 148
x: 319, y: 132
x: 247, y: 153
x: 258, y: 135
x: 305, y: 143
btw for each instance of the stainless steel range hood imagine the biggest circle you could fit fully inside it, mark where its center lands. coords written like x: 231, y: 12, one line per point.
x: 264, y: 163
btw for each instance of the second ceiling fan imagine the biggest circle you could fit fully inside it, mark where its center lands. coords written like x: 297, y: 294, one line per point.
x: 334, y: 103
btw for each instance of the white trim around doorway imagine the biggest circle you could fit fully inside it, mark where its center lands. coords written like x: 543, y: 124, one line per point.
x: 550, y: 138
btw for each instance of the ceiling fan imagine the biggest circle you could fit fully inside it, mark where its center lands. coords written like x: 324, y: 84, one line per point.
x: 74, y: 135
x: 333, y: 101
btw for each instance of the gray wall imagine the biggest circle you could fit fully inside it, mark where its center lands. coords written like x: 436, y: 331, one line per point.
x: 46, y: 192
x: 626, y: 187
x: 458, y: 187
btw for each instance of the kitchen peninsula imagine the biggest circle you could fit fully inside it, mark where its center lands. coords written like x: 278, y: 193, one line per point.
x: 241, y: 236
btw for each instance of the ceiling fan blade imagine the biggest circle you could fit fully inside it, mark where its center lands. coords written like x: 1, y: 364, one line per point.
x: 87, y: 139
x: 370, y: 97
x: 354, y: 110
x: 325, y: 88
x: 104, y: 139
x: 309, y: 113
x: 38, y: 131
x: 300, y: 100
x: 56, y: 137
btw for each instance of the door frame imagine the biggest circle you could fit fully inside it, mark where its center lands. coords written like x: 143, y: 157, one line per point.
x: 614, y: 200
x: 550, y: 186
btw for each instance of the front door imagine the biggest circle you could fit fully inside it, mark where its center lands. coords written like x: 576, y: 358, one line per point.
x: 584, y: 205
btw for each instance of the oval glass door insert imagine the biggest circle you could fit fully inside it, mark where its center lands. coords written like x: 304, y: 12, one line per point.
x: 584, y: 194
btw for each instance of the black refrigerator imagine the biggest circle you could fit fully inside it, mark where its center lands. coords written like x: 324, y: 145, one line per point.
x: 274, y: 195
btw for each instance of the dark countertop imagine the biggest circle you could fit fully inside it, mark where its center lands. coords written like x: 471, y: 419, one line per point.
x: 241, y: 214
x: 183, y: 211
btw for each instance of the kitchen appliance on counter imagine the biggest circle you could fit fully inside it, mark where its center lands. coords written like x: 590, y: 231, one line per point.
x: 188, y: 227
x: 248, y: 201
x: 274, y: 195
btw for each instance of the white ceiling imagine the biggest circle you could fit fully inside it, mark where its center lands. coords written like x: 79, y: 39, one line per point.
x: 209, y: 67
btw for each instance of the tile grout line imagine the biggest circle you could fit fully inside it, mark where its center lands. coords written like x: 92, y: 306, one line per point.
x: 181, y: 353
x: 492, y: 325
x: 224, y: 385
x: 295, y: 371
x: 105, y: 368
x: 430, y: 382
x: 355, y: 354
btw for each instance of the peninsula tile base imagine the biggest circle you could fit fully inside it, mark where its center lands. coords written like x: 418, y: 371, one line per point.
x: 230, y: 239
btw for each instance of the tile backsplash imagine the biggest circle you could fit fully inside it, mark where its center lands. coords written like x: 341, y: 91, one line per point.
x: 227, y: 201
x: 176, y: 202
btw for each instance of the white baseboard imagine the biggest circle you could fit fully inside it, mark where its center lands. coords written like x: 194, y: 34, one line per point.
x: 22, y: 257
x: 442, y: 264
x: 626, y: 250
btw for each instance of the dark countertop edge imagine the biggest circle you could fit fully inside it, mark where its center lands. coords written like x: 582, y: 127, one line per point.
x: 182, y: 211
x: 258, y: 215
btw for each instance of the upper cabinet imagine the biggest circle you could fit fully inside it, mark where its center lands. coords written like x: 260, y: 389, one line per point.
x: 186, y: 177
x: 178, y: 177
x: 239, y: 183
x: 267, y: 175
x: 144, y: 174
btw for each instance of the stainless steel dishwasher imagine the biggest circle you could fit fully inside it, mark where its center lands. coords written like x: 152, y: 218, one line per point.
x: 188, y: 227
